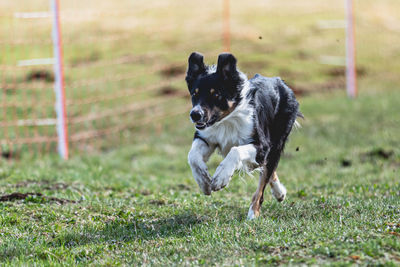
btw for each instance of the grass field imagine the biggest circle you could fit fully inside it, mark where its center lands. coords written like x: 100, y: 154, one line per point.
x: 137, y: 204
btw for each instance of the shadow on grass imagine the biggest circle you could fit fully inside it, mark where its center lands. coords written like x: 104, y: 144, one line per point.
x: 177, y: 226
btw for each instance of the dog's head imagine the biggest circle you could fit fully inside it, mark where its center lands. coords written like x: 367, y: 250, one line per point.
x: 215, y: 91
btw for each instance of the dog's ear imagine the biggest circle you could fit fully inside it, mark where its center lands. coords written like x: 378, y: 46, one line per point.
x: 195, y: 68
x: 226, y: 67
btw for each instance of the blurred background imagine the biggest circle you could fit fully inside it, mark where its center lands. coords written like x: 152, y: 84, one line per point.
x: 125, y: 62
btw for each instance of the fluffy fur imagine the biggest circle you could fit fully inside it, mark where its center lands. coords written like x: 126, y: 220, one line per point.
x: 248, y: 121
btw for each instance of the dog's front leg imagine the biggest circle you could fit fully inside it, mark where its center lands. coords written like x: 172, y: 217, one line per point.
x: 236, y: 157
x: 197, y: 157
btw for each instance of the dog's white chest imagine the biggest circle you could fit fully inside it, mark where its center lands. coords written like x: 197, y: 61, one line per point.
x: 235, y: 130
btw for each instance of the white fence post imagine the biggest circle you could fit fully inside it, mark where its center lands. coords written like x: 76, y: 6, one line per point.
x: 59, y: 88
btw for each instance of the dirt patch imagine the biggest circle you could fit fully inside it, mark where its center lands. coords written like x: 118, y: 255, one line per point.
x: 173, y: 71
x: 33, y: 196
x: 303, y: 90
x: 181, y: 187
x: 320, y: 162
x: 86, y: 60
x: 44, y: 184
x: 158, y: 202
x: 184, y: 187
x: 303, y: 55
x: 7, y: 154
x: 346, y: 163
x: 169, y: 91
x: 299, y: 90
x: 40, y: 75
x: 145, y: 192
x: 341, y: 71
x: 361, y: 71
x: 379, y: 153
x: 56, y: 186
x: 336, y: 72
x: 330, y: 85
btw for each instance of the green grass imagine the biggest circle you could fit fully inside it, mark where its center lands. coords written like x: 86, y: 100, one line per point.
x: 139, y: 204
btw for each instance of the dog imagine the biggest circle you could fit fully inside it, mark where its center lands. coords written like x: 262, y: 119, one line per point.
x: 248, y: 121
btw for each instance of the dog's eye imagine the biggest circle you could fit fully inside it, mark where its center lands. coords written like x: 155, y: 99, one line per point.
x: 196, y: 91
x: 213, y: 93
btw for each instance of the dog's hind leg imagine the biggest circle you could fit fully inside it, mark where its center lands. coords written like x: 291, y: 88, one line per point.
x: 258, y: 197
x: 267, y: 175
x: 277, y: 188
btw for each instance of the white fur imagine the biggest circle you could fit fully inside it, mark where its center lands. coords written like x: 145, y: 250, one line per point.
x: 297, y: 125
x: 233, y: 136
x: 197, y: 158
x: 211, y: 69
x: 278, y: 190
x: 237, y: 157
x: 235, y: 129
x: 250, y: 214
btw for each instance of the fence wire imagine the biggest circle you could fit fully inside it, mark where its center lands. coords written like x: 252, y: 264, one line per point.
x: 118, y: 75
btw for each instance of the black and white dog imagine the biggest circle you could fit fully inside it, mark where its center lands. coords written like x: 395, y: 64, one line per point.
x: 247, y: 120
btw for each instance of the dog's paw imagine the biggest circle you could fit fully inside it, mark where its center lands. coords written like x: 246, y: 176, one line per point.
x: 206, y: 188
x: 204, y: 184
x: 251, y: 215
x: 221, y: 177
x: 278, y: 190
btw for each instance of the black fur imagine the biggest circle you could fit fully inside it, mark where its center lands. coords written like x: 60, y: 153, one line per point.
x: 198, y: 136
x: 213, y: 90
x: 274, y: 103
x: 276, y: 111
x: 196, y: 68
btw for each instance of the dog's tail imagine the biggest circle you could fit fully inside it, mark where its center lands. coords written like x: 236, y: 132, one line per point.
x: 297, y: 125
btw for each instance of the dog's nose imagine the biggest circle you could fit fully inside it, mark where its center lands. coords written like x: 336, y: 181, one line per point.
x: 196, y: 115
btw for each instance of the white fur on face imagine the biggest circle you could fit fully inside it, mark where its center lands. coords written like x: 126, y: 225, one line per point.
x: 236, y: 129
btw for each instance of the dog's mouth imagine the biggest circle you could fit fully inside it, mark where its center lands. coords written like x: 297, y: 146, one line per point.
x: 201, y: 125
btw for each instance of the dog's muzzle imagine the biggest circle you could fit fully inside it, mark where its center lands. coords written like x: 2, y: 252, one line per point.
x: 197, y: 116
